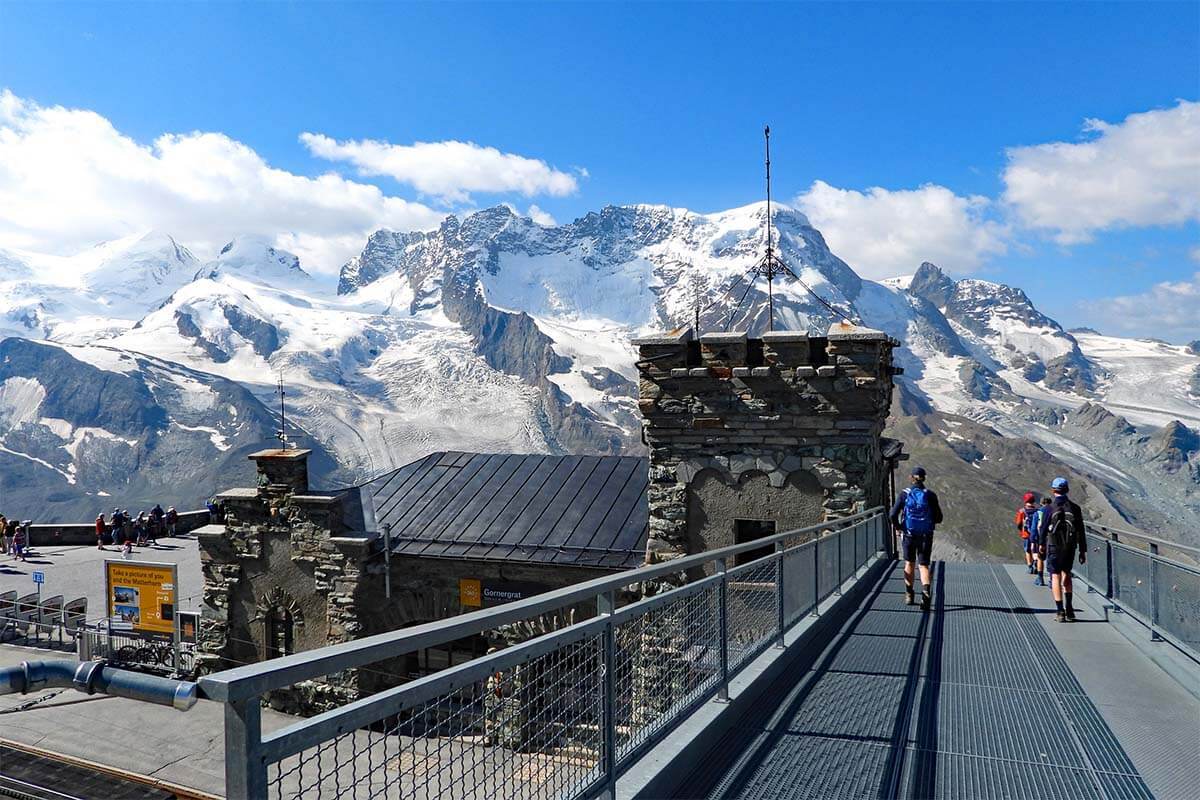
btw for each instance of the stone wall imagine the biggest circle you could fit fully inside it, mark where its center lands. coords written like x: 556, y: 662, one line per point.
x: 784, y: 428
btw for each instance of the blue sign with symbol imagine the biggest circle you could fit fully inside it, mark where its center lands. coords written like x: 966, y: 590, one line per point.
x: 39, y: 577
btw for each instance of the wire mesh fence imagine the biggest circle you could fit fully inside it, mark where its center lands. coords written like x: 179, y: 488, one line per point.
x: 1177, y: 602
x: 559, y: 715
x: 1131, y: 581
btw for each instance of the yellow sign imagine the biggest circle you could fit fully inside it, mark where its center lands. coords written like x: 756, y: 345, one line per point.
x: 142, y: 595
x: 470, y: 593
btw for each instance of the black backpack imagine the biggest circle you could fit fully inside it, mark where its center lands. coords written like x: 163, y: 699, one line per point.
x: 1062, y: 531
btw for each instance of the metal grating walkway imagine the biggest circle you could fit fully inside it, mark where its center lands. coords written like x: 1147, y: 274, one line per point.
x: 972, y: 701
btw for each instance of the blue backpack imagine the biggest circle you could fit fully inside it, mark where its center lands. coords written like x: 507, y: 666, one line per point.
x: 918, y: 516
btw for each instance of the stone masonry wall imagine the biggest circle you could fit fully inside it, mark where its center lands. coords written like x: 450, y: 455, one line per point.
x: 798, y: 415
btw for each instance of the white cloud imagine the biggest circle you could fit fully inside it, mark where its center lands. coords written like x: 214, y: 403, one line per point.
x: 449, y: 170
x: 1139, y: 172
x: 1168, y: 310
x: 69, y: 179
x: 540, y: 217
x: 882, y: 233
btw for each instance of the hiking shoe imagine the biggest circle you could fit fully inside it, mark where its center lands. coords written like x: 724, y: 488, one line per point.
x: 908, y: 597
x: 1070, y: 615
x: 1038, y: 581
x: 926, y: 601
x: 1061, y: 616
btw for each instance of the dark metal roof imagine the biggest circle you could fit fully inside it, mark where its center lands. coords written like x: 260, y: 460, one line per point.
x: 578, y: 510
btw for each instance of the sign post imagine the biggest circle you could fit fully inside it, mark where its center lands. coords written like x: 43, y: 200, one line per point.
x: 38, y: 579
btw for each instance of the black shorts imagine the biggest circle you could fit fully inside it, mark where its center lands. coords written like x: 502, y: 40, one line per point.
x: 1059, y: 562
x: 917, y: 548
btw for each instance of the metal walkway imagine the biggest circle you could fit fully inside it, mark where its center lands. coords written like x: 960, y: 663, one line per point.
x: 971, y: 701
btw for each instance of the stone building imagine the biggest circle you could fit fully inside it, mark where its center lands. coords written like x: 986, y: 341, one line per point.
x: 749, y: 437
x: 746, y: 437
x: 292, y: 569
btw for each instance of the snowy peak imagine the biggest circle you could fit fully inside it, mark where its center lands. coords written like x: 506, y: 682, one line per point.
x: 144, y: 269
x: 254, y: 258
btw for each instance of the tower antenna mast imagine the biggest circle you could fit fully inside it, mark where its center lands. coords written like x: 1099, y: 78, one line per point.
x: 282, y: 434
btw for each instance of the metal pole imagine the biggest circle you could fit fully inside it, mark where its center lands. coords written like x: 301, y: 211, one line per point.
x: 1153, y: 592
x: 779, y: 611
x: 176, y: 635
x: 838, y: 588
x: 387, y: 560
x: 816, y: 576
x: 245, y: 770
x: 1108, y: 570
x: 606, y: 604
x: 723, y: 627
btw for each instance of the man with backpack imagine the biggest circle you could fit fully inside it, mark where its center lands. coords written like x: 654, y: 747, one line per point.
x: 1035, y: 535
x: 1062, y: 537
x: 916, y: 512
x: 1025, y: 518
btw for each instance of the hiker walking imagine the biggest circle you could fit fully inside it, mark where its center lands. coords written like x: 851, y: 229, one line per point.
x: 1062, y: 538
x: 1024, y: 519
x: 916, y: 512
x: 1035, y: 535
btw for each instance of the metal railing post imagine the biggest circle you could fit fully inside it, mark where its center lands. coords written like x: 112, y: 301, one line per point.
x: 1153, y: 564
x: 837, y: 589
x: 779, y: 610
x: 245, y: 770
x: 723, y: 627
x: 606, y: 604
x: 1108, y: 570
x: 816, y: 576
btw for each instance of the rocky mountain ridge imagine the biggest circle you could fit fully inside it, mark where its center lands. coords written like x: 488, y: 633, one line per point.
x: 493, y: 332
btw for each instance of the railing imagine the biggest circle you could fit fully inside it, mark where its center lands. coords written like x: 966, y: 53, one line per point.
x: 1161, y: 593
x: 561, y: 715
x: 133, y: 650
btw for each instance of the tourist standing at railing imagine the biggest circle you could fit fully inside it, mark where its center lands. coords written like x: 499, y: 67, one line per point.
x: 917, y: 512
x: 101, y: 528
x: 3, y: 534
x: 1062, y: 538
x: 172, y: 520
x: 20, y: 541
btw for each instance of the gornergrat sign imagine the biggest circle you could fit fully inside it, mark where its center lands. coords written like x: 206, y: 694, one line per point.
x: 142, y: 595
x: 475, y: 593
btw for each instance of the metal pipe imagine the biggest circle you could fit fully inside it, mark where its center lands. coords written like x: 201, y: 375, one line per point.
x: 93, y: 677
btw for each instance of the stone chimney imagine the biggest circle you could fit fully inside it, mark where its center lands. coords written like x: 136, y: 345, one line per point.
x: 281, y: 472
x: 750, y: 436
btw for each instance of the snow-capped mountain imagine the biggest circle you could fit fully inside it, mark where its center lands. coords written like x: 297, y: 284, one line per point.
x: 493, y: 332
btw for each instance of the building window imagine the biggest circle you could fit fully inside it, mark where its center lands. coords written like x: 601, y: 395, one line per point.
x: 280, y: 633
x: 747, y: 530
x: 433, y: 659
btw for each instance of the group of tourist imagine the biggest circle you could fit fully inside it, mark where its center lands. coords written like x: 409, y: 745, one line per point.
x: 14, y: 538
x: 125, y: 531
x: 1052, y: 534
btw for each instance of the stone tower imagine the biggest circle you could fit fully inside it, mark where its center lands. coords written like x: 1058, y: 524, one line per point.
x: 749, y: 437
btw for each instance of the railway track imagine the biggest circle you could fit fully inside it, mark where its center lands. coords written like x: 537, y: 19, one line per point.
x: 31, y: 773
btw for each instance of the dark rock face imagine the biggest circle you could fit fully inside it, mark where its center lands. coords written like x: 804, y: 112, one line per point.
x: 1071, y: 372
x: 981, y: 383
x: 1173, y: 446
x: 261, y: 335
x: 188, y: 327
x: 94, y: 438
x: 930, y: 283
x: 1194, y: 383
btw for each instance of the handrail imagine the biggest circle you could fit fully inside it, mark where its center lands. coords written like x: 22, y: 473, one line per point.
x: 90, y: 677
x: 1115, y: 533
x: 253, y: 680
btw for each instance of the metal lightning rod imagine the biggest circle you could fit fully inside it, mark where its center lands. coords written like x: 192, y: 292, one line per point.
x: 770, y: 275
x: 282, y: 435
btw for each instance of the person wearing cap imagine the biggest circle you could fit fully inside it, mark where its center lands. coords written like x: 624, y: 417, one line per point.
x: 1024, y: 520
x: 916, y: 512
x: 1062, y: 537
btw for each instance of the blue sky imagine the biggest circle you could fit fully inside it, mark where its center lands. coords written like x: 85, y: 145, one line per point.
x: 664, y: 104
